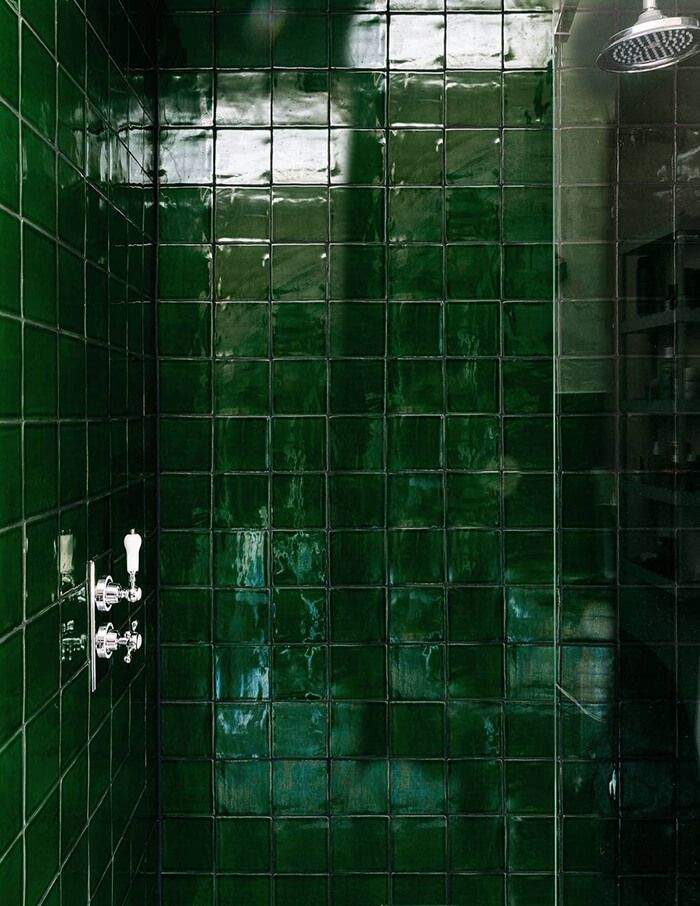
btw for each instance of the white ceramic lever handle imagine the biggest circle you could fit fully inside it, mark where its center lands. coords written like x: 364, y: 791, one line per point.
x: 132, y: 543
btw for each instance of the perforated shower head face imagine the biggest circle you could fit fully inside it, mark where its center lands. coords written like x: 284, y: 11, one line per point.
x: 653, y: 42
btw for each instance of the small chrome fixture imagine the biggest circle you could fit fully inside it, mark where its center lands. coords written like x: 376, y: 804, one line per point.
x: 108, y: 592
x: 102, y: 595
x: 655, y: 41
x: 108, y: 640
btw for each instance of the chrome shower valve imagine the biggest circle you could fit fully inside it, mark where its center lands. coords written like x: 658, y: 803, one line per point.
x: 109, y: 592
x: 108, y: 640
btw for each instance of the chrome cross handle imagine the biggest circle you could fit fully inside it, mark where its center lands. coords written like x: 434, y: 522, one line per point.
x: 109, y: 592
x: 108, y: 640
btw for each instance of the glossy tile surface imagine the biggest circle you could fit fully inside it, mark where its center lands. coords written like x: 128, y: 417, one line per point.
x: 356, y: 435
x: 77, y: 445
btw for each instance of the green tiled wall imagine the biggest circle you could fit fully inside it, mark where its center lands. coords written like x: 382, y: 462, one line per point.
x: 356, y: 453
x: 77, y: 442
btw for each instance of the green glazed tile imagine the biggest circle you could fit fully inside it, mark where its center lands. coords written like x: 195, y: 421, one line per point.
x: 186, y: 41
x: 415, y: 215
x: 417, y: 672
x: 10, y: 368
x: 243, y: 844
x: 417, y: 729
x: 416, y: 99
x: 357, y: 272
x: 298, y: 501
x: 358, y: 98
x: 357, y: 558
x: 301, y: 844
x: 185, y: 214
x: 298, y: 615
x: 299, y: 387
x: 185, y: 98
x: 358, y: 729
x: 474, y: 786
x: 300, y: 889
x: 240, y: 444
x: 527, y: 156
x: 476, y: 844
x: 472, y: 272
x: 473, y: 99
x: 345, y: 340
x: 415, y: 157
x: 358, y: 673
x: 11, y: 493
x: 357, y: 501
x: 298, y: 444
x: 9, y: 68
x: 473, y: 215
x: 417, y: 787
x: 299, y: 329
x: 241, y: 388
x: 358, y: 615
x: 38, y: 84
x: 185, y: 272
x: 415, y: 443
x: 300, y: 98
x: 42, y: 848
x: 243, y: 47
x: 243, y: 98
x: 299, y: 673
x: 187, y: 783
x: 38, y: 180
x: 240, y: 558
x: 299, y: 787
x: 186, y: 387
x: 299, y: 729
x: 299, y: 214
x: 186, y: 730
x: 359, y: 844
x: 528, y: 98
x: 241, y: 731
x: 358, y: 787
x: 9, y: 257
x: 185, y: 443
x: 9, y: 154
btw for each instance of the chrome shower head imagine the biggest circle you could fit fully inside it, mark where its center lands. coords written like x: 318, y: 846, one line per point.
x: 654, y: 41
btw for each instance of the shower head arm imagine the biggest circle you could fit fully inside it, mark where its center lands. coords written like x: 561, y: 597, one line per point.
x: 649, y: 11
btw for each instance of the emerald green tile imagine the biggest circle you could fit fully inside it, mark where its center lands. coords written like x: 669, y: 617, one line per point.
x: 186, y: 730
x: 417, y: 672
x: 357, y: 500
x: 298, y: 501
x: 358, y: 787
x: 356, y: 215
x: 11, y: 664
x: 186, y: 387
x: 476, y: 844
x: 358, y: 98
x: 415, y: 215
x: 299, y: 729
x: 240, y: 444
x: 473, y: 215
x: 186, y: 40
x: 415, y: 272
x: 298, y: 444
x: 358, y: 729
x: 473, y: 99
x: 185, y: 214
x: 299, y: 615
x: 185, y: 443
x: 472, y: 157
x: 240, y: 558
x: 418, y: 844
x: 299, y: 387
x: 357, y: 615
x: 299, y: 214
x: 416, y: 99
x: 185, y: 272
x: 415, y: 157
x: 528, y: 98
x: 185, y: 560
x: 11, y: 563
x: 10, y: 257
x: 345, y: 340
x: 472, y: 272
x: 299, y: 329
x: 474, y: 786
x: 241, y: 388
x: 242, y: 731
x: 11, y: 493
x: 299, y: 272
x: 301, y: 844
x: 358, y: 673
x: 473, y: 500
x: 9, y: 68
x: 38, y: 179
x: 527, y: 156
x: 300, y: 98
x: 359, y: 844
x: 10, y: 368
x: 417, y: 787
x: 299, y: 787
x: 186, y: 98
x: 357, y: 272
x: 9, y: 154
x: 241, y: 329
x: 187, y: 843
x: 42, y: 848
x: 299, y: 673
x: 242, y: 47
x: 300, y: 889
x: 38, y: 84
x: 357, y: 557
x: 417, y: 729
